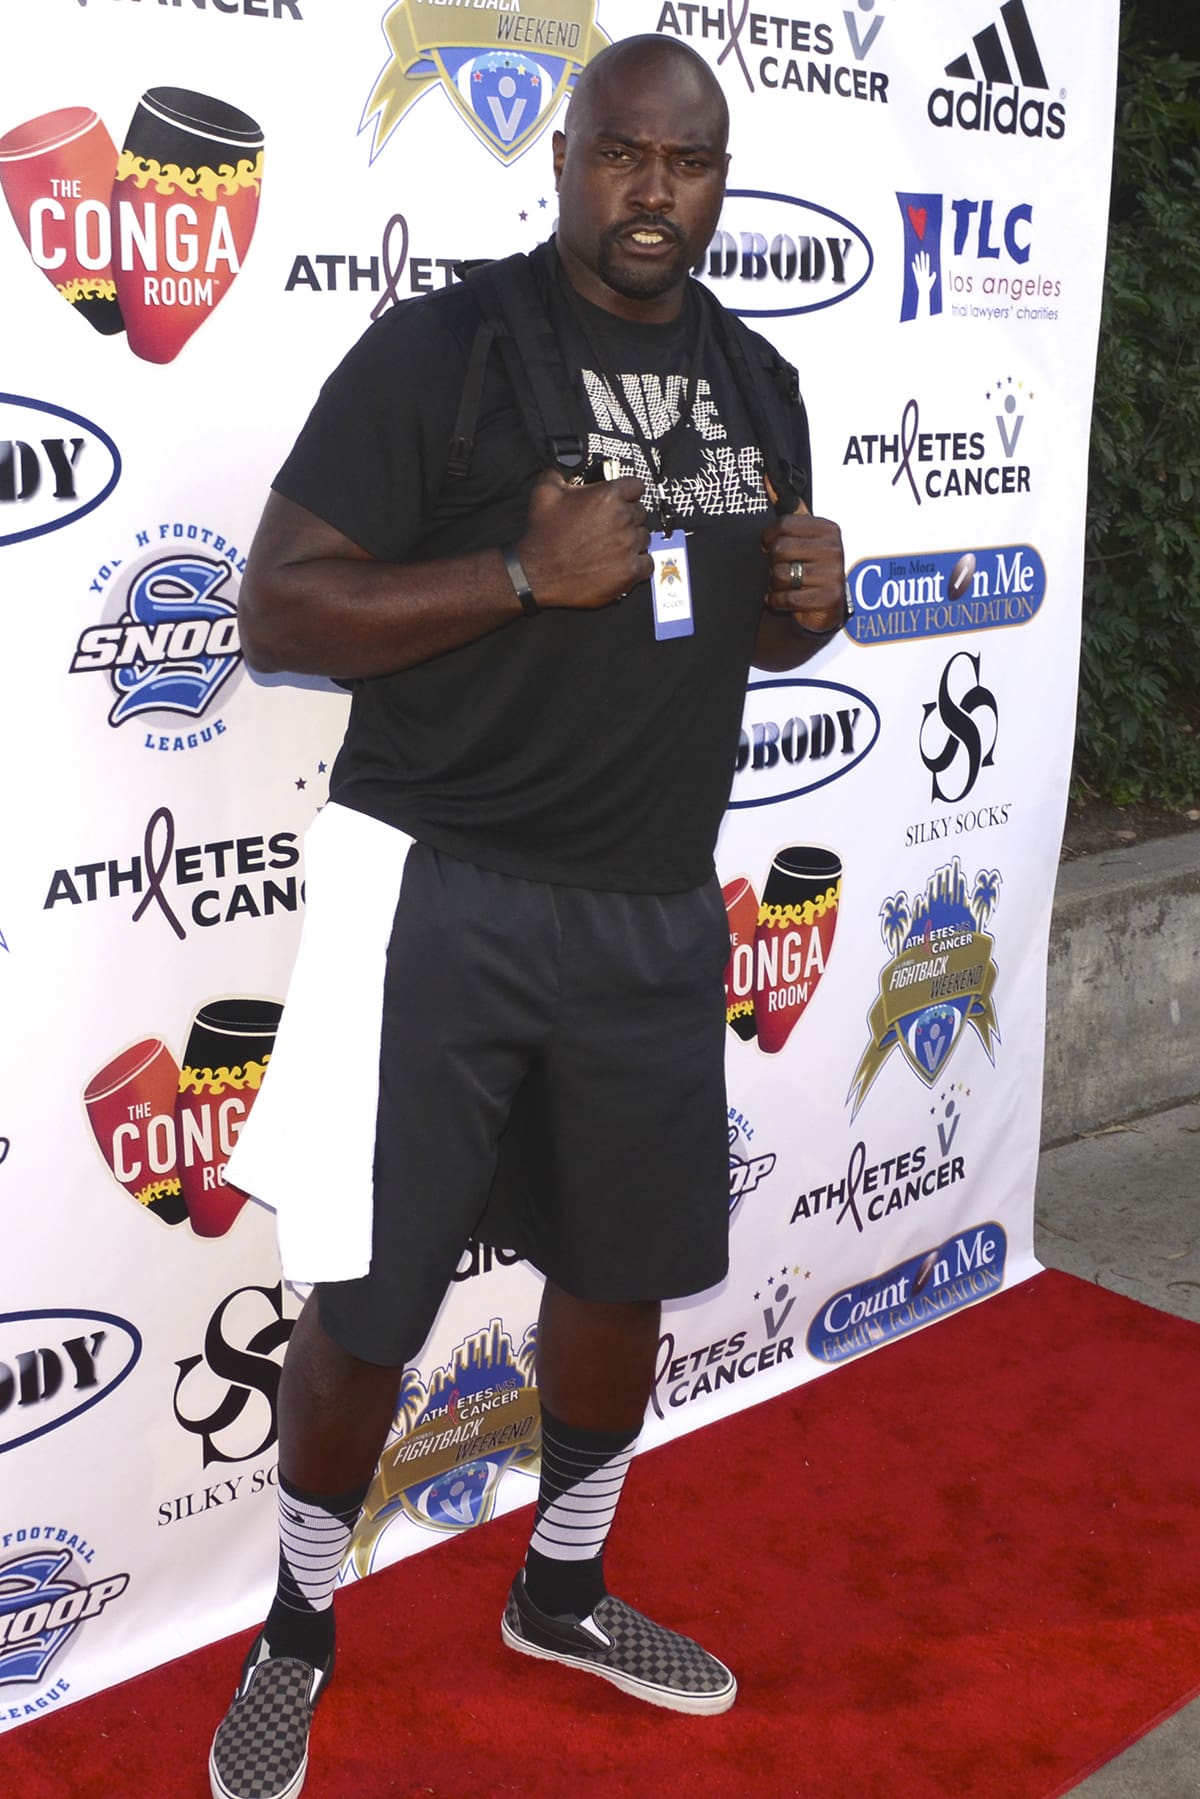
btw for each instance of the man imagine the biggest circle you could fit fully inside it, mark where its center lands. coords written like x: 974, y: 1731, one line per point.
x: 511, y: 897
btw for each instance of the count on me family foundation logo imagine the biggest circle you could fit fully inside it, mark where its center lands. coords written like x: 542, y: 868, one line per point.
x: 147, y: 240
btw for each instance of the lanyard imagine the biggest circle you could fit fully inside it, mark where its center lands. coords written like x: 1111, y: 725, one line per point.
x: 656, y: 454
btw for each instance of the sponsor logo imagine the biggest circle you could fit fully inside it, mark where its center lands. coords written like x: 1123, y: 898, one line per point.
x: 250, y: 9
x: 940, y: 593
x: 680, y: 1377
x: 774, y: 255
x: 504, y: 66
x: 952, y: 464
x: 1000, y: 68
x: 957, y: 741
x: 965, y: 1268
x: 940, y: 977
x: 394, y: 272
x: 244, y: 877
x: 42, y: 1605
x: 48, y: 1377
x: 166, y: 1132
x: 457, y: 1434
x: 55, y: 467
x: 480, y: 1258
x: 802, y: 56
x: 148, y: 241
x: 779, y: 946
x: 787, y: 748
x: 988, y: 238
x: 169, y: 646
x: 748, y: 1166
x: 873, y: 1189
x: 954, y: 747
x: 236, y: 1376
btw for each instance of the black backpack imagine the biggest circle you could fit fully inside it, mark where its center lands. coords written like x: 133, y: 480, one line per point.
x: 512, y: 313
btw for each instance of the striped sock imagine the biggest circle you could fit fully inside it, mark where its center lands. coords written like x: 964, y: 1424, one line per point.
x: 314, y: 1533
x: 582, y: 1475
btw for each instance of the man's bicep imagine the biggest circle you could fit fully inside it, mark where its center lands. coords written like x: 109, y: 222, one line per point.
x: 289, y: 533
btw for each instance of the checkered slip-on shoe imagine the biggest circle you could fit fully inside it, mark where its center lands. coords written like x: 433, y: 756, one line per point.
x: 625, y: 1647
x: 260, y: 1750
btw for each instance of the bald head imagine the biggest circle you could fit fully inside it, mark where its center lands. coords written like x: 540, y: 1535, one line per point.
x: 640, y: 170
x: 666, y: 58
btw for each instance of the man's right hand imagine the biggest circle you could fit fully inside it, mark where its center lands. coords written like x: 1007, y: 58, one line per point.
x: 584, y: 546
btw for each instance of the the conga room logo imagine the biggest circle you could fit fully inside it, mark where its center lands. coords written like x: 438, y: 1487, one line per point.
x: 504, y: 66
x: 779, y: 945
x: 166, y: 1131
x: 148, y: 239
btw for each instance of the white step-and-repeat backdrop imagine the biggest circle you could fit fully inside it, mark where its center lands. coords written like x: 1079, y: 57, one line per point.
x: 206, y: 202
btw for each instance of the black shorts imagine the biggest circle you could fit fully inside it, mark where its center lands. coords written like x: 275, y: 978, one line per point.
x: 551, y: 1081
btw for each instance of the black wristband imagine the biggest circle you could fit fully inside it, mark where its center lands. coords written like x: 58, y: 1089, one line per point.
x: 519, y: 579
x: 824, y: 636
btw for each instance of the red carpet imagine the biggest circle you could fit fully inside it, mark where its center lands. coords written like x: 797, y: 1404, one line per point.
x: 966, y: 1565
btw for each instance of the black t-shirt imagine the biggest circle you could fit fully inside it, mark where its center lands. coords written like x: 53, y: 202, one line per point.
x: 572, y: 746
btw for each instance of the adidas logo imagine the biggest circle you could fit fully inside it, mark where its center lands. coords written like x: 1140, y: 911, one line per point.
x: 1003, y: 55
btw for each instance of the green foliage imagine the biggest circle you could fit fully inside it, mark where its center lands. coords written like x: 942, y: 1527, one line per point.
x: 1139, y: 712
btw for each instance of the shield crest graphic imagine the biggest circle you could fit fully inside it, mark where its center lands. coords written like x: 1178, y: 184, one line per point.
x: 505, y: 97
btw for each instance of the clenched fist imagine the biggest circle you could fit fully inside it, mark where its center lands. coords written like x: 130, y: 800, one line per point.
x: 807, y: 567
x: 584, y: 547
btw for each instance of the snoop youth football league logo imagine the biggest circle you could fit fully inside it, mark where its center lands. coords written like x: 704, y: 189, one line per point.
x: 505, y: 66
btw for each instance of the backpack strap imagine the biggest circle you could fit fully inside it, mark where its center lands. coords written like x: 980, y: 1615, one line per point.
x: 513, y: 314
x: 770, y: 392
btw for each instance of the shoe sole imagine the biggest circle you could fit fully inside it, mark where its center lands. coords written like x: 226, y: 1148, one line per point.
x: 221, y: 1791
x: 706, y: 1704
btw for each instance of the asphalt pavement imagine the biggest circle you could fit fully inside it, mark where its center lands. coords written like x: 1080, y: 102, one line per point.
x: 1121, y: 1207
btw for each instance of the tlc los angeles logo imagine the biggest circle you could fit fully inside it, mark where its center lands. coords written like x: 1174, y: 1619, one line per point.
x: 1001, y: 67
x: 779, y: 947
x: 504, y: 70
x: 148, y: 240
x: 167, y: 1132
x: 989, y: 243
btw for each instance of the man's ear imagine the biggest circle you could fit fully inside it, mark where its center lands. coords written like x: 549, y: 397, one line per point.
x: 560, y: 155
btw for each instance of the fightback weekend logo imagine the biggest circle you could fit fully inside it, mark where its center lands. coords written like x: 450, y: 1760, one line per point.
x: 147, y: 240
x: 505, y: 67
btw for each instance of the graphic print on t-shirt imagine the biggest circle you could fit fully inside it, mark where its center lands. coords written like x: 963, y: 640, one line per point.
x: 706, y: 473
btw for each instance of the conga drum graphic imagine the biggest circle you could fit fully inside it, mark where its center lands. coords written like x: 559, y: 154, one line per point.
x: 741, y: 908
x: 227, y: 1053
x: 184, y: 205
x: 57, y: 174
x: 796, y: 923
x: 131, y: 1109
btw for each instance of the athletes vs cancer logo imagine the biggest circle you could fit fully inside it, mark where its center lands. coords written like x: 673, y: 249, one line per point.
x: 940, y: 977
x: 505, y: 65
x: 803, y: 56
x: 148, y: 241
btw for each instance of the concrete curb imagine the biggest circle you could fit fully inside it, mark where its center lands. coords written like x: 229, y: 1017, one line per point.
x: 1123, y: 987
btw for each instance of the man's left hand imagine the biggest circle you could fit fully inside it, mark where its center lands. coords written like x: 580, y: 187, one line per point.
x: 807, y: 568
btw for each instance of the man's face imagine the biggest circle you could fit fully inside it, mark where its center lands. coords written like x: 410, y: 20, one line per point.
x: 641, y: 177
